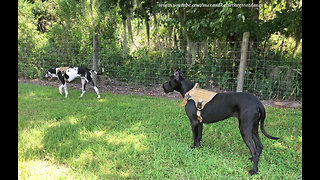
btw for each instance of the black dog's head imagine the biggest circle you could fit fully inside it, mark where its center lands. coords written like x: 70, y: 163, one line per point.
x: 51, y: 73
x: 174, y: 82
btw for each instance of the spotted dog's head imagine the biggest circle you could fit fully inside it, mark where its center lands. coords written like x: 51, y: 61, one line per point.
x: 174, y: 82
x: 51, y: 73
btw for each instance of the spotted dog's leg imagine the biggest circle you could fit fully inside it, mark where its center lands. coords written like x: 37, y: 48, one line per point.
x: 60, y: 89
x: 89, y: 78
x: 61, y: 78
x: 95, y: 87
x: 97, y: 91
x: 65, y: 90
x: 83, y: 82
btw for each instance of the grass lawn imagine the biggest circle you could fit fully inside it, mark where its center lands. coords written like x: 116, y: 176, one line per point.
x: 141, y: 137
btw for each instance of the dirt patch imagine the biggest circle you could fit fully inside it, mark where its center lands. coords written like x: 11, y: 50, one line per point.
x: 108, y: 85
x: 283, y: 104
x: 116, y: 87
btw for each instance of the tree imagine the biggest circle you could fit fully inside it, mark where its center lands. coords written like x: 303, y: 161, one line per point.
x: 143, y: 11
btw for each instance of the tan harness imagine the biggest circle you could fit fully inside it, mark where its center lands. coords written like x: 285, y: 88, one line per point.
x: 62, y: 70
x: 200, y: 96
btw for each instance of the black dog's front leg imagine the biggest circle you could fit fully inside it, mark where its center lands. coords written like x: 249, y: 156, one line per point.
x: 200, y: 133
x: 196, y: 127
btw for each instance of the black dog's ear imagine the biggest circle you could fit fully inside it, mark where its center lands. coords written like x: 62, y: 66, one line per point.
x: 177, y: 74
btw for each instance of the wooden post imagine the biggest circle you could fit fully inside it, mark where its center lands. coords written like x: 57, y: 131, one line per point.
x: 95, y: 57
x: 243, y: 59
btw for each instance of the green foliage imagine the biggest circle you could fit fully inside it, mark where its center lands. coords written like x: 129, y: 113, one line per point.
x: 29, y: 36
x: 60, y: 33
x: 140, y: 137
x: 281, y: 81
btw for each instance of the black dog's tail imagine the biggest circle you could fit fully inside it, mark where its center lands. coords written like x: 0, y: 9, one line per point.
x: 262, y: 117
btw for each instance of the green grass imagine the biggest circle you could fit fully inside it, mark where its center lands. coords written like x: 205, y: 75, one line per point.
x: 140, y: 137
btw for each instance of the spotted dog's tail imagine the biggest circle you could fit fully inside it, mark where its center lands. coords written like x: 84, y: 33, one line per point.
x: 93, y: 71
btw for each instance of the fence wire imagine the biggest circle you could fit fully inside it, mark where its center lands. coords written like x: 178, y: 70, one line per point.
x: 268, y: 74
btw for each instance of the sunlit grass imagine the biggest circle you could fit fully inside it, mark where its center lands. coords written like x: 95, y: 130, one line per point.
x: 140, y: 137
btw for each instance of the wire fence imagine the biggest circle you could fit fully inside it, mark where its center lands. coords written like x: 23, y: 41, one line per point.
x: 214, y: 65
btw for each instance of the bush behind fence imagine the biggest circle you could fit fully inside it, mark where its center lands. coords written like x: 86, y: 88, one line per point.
x: 268, y: 74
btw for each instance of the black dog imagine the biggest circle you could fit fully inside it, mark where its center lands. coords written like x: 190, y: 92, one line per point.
x: 69, y: 74
x: 246, y: 107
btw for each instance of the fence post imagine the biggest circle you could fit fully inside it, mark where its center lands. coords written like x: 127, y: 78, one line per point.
x: 95, y: 57
x: 243, y: 59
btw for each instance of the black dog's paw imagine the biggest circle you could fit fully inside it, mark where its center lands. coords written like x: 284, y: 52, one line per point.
x: 252, y: 172
x: 194, y: 146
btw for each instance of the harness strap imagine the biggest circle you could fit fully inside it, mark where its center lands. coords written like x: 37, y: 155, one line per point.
x: 199, y: 117
x: 63, y: 70
x: 200, y: 96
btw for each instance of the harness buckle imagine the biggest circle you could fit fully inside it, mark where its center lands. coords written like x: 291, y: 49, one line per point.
x: 199, y: 105
x: 187, y: 96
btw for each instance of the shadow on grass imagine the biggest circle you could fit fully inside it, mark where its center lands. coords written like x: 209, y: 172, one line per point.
x: 93, y: 145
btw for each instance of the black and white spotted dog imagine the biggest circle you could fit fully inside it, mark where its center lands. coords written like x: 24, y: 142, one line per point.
x: 70, y: 73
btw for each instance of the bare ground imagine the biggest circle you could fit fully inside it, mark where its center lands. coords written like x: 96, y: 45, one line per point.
x: 116, y: 87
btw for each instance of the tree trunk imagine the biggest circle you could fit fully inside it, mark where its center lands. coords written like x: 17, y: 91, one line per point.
x: 130, y: 29
x: 138, y: 27
x: 188, y: 48
x: 156, y: 28
x: 91, y: 14
x: 129, y: 23
x: 206, y: 56
x: 256, y: 20
x: 148, y: 31
x: 83, y: 3
x: 124, y: 39
x: 175, y: 45
x: 182, y: 15
x: 297, y: 39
